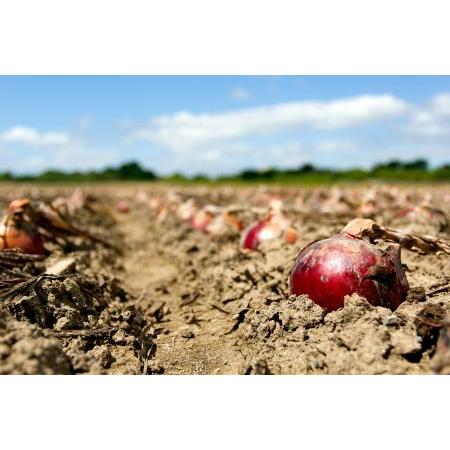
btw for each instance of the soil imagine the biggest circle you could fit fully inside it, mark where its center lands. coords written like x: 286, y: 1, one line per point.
x: 169, y: 299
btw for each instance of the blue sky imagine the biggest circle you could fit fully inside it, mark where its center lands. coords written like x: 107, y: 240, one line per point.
x: 221, y: 124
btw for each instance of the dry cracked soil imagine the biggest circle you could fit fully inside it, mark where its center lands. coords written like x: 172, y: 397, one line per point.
x: 173, y: 300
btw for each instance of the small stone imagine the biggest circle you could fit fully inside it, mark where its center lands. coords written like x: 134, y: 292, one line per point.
x: 187, y: 333
x: 61, y: 266
x: 120, y: 337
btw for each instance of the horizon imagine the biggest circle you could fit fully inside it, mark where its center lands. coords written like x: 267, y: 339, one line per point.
x: 219, y: 125
x: 308, y: 165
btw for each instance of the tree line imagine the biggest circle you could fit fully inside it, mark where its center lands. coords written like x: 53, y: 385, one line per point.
x: 395, y: 170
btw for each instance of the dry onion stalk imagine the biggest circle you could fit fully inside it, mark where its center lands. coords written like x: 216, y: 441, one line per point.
x: 420, y: 243
x: 27, y: 224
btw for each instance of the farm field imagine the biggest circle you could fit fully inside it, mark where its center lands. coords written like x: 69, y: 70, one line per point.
x: 154, y: 279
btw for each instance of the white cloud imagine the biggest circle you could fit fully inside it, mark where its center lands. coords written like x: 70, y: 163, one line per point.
x: 56, y: 150
x: 226, y: 158
x: 79, y: 157
x: 240, y: 94
x: 440, y: 104
x: 427, y: 124
x: 30, y: 136
x: 185, y: 131
x: 71, y: 157
x: 433, y: 120
x: 333, y: 146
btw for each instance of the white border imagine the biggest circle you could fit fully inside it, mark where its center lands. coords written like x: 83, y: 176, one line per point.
x: 210, y: 412
x: 224, y: 37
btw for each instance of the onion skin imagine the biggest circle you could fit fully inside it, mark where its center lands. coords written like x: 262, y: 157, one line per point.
x: 232, y: 220
x: 18, y: 205
x: 290, y: 235
x: 329, y: 269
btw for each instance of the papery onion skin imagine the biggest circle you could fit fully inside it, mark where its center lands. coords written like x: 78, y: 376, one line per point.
x: 17, y: 205
x: 290, y: 235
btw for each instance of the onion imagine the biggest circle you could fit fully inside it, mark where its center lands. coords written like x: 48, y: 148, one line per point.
x: 201, y: 219
x: 426, y: 215
x: 329, y: 269
x: 223, y: 223
x: 186, y: 210
x: 256, y: 233
x: 368, y: 208
x: 123, y: 207
x: 25, y: 240
x: 18, y: 233
x: 272, y: 226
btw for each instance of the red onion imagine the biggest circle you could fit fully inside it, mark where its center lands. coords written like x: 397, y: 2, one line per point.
x: 329, y: 269
x: 200, y: 220
x: 258, y: 232
x: 123, y: 206
x: 274, y: 225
